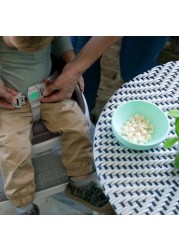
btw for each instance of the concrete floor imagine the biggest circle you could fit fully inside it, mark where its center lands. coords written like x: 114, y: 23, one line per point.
x: 59, y: 204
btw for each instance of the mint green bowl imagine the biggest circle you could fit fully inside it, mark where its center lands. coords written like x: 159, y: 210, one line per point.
x: 149, y: 111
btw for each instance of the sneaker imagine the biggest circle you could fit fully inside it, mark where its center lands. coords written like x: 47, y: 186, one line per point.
x: 90, y: 195
x: 34, y: 211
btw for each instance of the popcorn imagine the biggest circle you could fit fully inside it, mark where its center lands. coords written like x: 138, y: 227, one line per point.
x: 137, y: 129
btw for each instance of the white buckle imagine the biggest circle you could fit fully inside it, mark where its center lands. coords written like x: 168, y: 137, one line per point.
x: 20, y: 100
x: 35, y: 93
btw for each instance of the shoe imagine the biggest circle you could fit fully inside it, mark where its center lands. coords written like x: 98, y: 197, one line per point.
x: 34, y: 211
x: 90, y: 195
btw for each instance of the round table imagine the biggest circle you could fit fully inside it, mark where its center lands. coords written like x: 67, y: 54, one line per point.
x: 140, y: 182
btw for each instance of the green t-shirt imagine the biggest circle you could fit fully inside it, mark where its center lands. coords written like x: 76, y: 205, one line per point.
x: 20, y: 70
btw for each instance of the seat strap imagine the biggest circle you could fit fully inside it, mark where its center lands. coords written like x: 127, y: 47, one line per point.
x: 34, y: 94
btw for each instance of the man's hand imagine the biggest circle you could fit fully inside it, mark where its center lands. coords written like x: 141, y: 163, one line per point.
x: 63, y: 87
x: 7, y: 94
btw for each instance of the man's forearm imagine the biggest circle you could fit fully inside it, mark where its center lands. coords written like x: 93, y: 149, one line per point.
x: 95, y: 47
x: 68, y: 56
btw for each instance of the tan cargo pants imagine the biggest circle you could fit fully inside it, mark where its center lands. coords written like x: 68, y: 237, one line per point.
x: 64, y: 117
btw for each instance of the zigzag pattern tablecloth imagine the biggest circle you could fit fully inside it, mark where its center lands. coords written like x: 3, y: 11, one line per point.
x: 140, y: 182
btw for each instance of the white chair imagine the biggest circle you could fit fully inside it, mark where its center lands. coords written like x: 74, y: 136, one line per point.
x: 50, y: 174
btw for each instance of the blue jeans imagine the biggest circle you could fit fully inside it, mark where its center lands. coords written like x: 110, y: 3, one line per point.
x: 138, y: 54
x: 91, y: 76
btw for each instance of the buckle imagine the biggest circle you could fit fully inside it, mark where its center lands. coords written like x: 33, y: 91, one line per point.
x: 20, y: 100
x: 35, y: 93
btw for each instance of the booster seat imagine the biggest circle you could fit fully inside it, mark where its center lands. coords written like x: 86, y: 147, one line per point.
x: 50, y: 174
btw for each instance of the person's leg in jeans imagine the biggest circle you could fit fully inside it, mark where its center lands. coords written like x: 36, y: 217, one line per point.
x: 91, y: 76
x: 139, y: 54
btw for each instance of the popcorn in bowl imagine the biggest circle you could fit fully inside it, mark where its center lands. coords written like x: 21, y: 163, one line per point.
x: 140, y: 125
x: 137, y: 129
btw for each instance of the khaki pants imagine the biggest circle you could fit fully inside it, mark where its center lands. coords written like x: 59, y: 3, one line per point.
x: 64, y: 117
